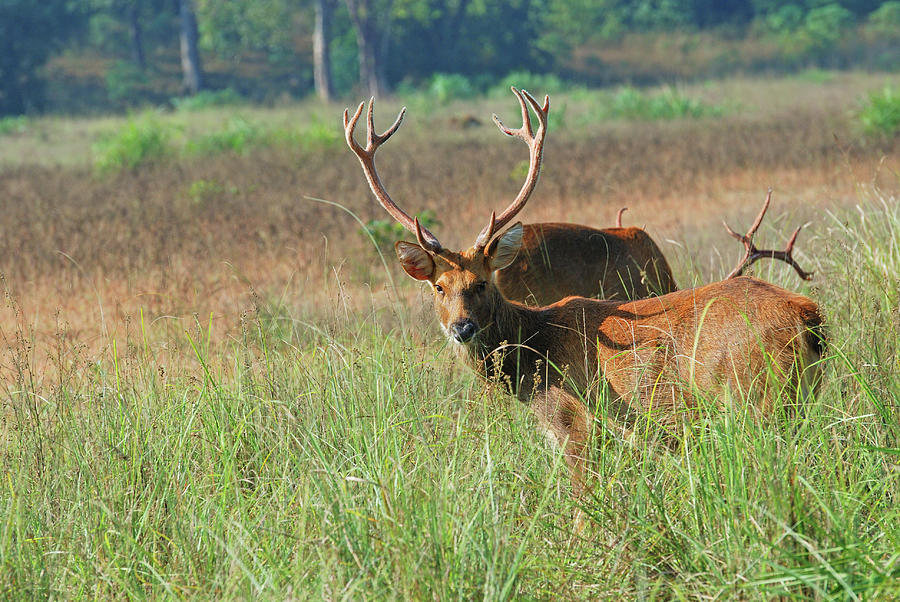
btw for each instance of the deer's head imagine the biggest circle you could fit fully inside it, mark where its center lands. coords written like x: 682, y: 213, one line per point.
x: 465, y: 296
x: 464, y: 293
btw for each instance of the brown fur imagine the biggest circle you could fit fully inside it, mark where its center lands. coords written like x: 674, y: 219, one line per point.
x: 560, y: 260
x: 647, y: 356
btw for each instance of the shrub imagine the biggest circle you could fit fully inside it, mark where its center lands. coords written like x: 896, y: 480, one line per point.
x: 445, y: 87
x: 237, y: 136
x: 141, y: 141
x: 206, y: 99
x: 630, y: 103
x: 12, y: 125
x: 881, y: 114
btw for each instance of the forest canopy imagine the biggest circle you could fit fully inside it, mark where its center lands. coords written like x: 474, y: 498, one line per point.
x: 69, y: 56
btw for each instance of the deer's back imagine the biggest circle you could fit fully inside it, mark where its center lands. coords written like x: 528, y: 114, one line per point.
x: 738, y: 332
x: 560, y: 260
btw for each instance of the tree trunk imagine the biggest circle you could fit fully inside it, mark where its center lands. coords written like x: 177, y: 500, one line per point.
x: 137, y: 36
x: 372, y: 43
x: 322, y: 50
x: 190, y: 57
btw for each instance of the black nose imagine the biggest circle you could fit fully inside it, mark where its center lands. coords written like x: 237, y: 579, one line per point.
x: 463, y: 330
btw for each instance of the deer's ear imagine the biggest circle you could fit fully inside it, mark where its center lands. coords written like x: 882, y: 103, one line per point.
x: 416, y: 261
x: 504, y: 249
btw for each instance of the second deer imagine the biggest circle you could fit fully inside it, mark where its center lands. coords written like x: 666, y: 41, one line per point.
x: 556, y: 259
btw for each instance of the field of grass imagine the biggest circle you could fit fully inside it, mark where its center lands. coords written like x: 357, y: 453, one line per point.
x: 213, y: 387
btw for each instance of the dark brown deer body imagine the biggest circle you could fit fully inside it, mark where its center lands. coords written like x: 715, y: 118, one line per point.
x: 562, y: 260
x: 557, y: 260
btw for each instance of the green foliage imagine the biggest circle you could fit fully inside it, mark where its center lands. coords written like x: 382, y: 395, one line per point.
x: 884, y: 22
x: 785, y: 20
x: 825, y: 25
x: 445, y: 87
x: 237, y: 136
x: 124, y: 80
x: 29, y: 33
x: 881, y: 114
x: 319, y: 136
x: 13, y: 125
x: 206, y: 99
x: 141, y: 141
x: 385, y: 232
x: 227, y: 28
x: 631, y: 103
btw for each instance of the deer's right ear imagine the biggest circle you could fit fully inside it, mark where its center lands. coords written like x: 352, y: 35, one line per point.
x: 416, y: 261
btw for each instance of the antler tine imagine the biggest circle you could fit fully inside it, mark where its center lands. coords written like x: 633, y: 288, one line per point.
x: 535, y: 142
x: 752, y: 254
x: 619, y: 217
x: 366, y: 158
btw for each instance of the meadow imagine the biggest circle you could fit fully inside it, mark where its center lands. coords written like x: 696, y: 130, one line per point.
x: 217, y: 384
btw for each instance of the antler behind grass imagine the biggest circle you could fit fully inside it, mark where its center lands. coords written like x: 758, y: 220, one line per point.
x: 752, y: 253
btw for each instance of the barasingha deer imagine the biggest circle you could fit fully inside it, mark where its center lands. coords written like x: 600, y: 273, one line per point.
x: 555, y: 260
x: 647, y: 358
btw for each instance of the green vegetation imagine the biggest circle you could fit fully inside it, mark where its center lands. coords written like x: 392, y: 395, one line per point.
x: 144, y: 139
x: 341, y: 458
x: 12, y: 125
x: 99, y: 55
x: 385, y: 232
x: 669, y: 103
x: 881, y: 114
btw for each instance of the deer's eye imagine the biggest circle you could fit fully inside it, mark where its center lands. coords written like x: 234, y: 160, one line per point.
x: 480, y: 286
x: 439, y: 289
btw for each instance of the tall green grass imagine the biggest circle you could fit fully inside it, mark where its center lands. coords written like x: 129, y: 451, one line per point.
x: 344, y: 457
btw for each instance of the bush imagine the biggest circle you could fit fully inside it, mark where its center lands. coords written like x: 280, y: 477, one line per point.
x: 237, y: 136
x: 630, y: 103
x: 206, y: 99
x: 12, y: 125
x: 141, y: 141
x: 881, y: 115
x: 445, y: 87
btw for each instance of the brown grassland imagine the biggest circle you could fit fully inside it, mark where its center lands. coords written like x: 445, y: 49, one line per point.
x: 90, y: 260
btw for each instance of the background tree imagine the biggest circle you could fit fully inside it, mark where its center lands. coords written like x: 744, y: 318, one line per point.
x: 372, y: 24
x: 190, y: 55
x: 322, y: 78
x: 29, y: 33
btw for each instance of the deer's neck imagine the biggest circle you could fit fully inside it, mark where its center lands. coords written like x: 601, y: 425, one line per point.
x: 511, y: 345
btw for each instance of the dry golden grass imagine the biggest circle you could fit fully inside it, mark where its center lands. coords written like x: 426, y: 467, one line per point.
x: 91, y: 259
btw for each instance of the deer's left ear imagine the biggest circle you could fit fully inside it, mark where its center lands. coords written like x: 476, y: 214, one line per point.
x: 503, y: 250
x: 416, y: 261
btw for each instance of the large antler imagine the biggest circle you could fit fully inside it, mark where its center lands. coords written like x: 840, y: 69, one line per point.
x: 535, y: 142
x: 752, y: 253
x: 366, y: 158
